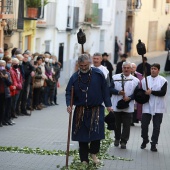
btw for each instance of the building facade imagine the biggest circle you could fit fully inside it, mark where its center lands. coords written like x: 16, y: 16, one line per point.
x: 149, y: 21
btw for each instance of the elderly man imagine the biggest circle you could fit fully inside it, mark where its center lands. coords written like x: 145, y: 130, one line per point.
x: 97, y: 59
x: 5, y: 82
x: 122, y: 90
x: 90, y: 92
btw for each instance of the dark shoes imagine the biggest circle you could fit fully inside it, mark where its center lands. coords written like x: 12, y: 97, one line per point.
x: 52, y: 104
x: 1, y: 124
x: 144, y: 143
x: 116, y: 143
x: 26, y: 114
x: 123, y: 145
x: 4, y: 123
x: 38, y: 107
x: 153, y: 148
x: 30, y: 108
x: 14, y: 116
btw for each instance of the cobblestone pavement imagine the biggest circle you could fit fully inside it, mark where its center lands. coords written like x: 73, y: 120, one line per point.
x: 47, y: 129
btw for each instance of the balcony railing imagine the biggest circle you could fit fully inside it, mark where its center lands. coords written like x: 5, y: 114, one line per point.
x: 6, y: 9
x: 134, y: 5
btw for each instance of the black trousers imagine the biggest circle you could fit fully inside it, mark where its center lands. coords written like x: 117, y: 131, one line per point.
x: 85, y: 148
x: 36, y: 96
x: 125, y: 119
x: 7, y: 112
x: 157, y: 120
x: 2, y: 106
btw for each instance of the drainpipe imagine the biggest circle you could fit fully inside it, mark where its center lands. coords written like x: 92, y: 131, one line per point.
x: 42, y: 8
x: 20, y: 38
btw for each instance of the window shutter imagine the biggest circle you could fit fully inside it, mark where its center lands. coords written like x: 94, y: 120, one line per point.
x: 95, y: 14
x: 100, y: 16
x: 76, y: 17
x: 20, y: 22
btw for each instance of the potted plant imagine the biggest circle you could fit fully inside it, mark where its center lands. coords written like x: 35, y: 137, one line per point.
x: 32, y: 7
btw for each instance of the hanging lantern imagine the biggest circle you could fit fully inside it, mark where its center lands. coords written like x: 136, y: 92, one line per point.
x: 81, y: 37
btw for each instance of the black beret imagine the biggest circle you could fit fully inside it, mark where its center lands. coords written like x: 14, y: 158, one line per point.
x: 105, y: 54
x: 121, y: 104
x: 140, y: 96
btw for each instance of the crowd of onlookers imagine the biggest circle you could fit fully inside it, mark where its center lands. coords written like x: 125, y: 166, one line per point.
x: 27, y: 82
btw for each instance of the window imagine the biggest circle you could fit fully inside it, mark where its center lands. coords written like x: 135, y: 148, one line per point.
x: 154, y: 3
x: 60, y: 53
x: 101, y: 45
x: 27, y: 45
x: 69, y: 16
x: 47, y: 45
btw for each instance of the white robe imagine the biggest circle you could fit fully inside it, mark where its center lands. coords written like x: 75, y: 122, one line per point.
x: 129, y: 87
x: 103, y: 69
x: 156, y: 104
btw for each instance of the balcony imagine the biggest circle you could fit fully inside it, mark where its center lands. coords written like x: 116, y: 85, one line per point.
x: 6, y: 9
x: 133, y: 6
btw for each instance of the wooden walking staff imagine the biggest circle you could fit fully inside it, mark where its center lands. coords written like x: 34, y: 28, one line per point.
x: 69, y: 126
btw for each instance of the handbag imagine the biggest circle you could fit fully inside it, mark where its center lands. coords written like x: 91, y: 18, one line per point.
x: 110, y: 120
x: 121, y: 104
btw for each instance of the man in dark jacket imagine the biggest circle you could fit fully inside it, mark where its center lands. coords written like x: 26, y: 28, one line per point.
x: 28, y: 73
x: 119, y: 64
x: 107, y: 64
x: 147, y: 65
x: 88, y: 118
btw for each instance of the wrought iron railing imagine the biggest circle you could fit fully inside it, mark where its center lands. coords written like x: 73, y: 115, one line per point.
x: 6, y: 6
x: 133, y: 5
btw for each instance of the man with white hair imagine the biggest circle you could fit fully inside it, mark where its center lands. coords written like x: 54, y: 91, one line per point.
x: 97, y: 59
x: 122, y: 90
x: 5, y: 82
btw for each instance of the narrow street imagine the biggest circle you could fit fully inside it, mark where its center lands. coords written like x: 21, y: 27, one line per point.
x: 47, y: 129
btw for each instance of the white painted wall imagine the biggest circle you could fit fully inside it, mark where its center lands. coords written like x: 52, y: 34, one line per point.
x: 72, y: 49
x: 120, y: 20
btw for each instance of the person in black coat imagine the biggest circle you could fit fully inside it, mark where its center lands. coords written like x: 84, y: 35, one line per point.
x: 147, y: 65
x: 119, y: 64
x: 28, y: 70
x: 107, y: 64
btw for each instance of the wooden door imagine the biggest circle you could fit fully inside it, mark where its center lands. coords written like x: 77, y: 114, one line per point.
x: 152, y: 36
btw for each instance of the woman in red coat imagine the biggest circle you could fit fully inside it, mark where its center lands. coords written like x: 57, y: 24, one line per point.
x: 17, y: 83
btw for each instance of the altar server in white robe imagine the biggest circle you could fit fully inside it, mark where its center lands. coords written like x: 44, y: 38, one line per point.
x: 97, y: 59
x: 123, y: 91
x: 155, y: 107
